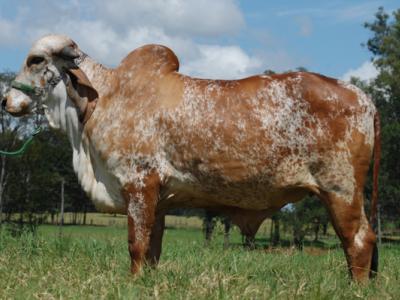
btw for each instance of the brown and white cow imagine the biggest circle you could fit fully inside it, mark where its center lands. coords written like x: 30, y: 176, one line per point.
x: 146, y: 138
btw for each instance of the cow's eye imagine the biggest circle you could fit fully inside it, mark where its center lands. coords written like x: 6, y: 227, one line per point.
x: 34, y: 60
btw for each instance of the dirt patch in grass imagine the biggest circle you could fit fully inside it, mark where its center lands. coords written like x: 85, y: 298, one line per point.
x: 316, y: 251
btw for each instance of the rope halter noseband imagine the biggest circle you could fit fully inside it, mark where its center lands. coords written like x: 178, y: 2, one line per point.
x: 27, y: 89
x: 37, y: 92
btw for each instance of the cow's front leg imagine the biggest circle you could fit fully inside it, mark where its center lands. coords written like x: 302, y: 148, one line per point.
x: 141, y: 204
x: 357, y: 236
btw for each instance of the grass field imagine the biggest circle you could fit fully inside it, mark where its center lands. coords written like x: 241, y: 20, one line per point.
x: 92, y: 262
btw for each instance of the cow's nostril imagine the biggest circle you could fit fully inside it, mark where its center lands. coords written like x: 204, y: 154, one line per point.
x: 4, y: 102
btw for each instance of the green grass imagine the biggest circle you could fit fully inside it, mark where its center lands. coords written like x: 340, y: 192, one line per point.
x: 92, y: 263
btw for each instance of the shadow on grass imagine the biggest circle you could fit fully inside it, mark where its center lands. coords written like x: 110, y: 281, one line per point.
x: 330, y: 244
x: 388, y: 240
x: 263, y: 243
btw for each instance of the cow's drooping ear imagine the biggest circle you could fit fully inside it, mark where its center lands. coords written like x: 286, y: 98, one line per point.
x: 82, y: 94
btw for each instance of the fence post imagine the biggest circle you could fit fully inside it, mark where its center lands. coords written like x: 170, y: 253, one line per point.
x: 379, y: 226
x: 62, y: 207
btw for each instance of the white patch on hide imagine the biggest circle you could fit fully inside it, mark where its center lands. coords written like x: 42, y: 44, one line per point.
x: 136, y: 208
x: 362, y: 232
x: 363, y: 122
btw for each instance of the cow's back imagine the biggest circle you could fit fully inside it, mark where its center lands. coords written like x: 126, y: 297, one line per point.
x: 246, y: 128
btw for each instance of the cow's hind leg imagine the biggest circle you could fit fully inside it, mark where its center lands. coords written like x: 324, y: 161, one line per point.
x: 352, y: 227
x: 157, y: 232
x: 141, y: 205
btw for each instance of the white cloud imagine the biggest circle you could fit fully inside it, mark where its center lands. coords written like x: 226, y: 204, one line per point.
x: 7, y: 30
x: 222, y: 62
x: 366, y: 71
x: 111, y: 30
x: 183, y: 17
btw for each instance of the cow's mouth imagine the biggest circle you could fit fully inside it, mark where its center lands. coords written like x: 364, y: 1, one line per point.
x: 19, y: 112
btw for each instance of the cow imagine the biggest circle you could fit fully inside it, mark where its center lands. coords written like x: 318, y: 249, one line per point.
x: 146, y: 138
x: 209, y: 221
x: 248, y: 223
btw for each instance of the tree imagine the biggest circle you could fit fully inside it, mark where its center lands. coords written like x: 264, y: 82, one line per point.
x: 269, y: 72
x: 304, y: 217
x: 385, y: 91
x: 8, y: 137
x: 275, y: 229
x: 210, y: 219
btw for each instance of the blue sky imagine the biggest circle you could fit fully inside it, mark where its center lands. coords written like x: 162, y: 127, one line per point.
x: 212, y: 38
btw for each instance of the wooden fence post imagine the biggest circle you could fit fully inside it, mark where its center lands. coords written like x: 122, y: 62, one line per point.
x: 379, y: 226
x: 62, y: 207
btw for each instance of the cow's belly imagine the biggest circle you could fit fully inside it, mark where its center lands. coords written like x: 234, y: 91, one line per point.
x: 257, y: 185
x: 250, y: 195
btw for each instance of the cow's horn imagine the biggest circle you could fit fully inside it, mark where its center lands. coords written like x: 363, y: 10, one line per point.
x: 68, y: 52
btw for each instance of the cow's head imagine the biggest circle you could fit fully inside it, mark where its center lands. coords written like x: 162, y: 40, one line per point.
x: 49, y: 66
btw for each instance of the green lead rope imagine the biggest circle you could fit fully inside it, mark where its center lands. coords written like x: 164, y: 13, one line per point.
x: 23, y: 87
x: 24, y: 146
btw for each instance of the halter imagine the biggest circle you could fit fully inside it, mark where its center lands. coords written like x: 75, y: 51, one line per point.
x: 36, y: 91
x: 26, y: 88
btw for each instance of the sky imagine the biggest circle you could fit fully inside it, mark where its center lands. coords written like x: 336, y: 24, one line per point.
x: 212, y: 38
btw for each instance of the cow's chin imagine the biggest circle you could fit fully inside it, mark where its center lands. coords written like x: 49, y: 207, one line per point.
x: 18, y: 112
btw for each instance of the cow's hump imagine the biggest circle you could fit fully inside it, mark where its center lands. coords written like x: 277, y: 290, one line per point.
x: 153, y: 59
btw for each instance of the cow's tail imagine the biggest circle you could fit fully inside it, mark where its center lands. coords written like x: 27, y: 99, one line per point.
x: 374, y: 199
x: 377, y: 159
